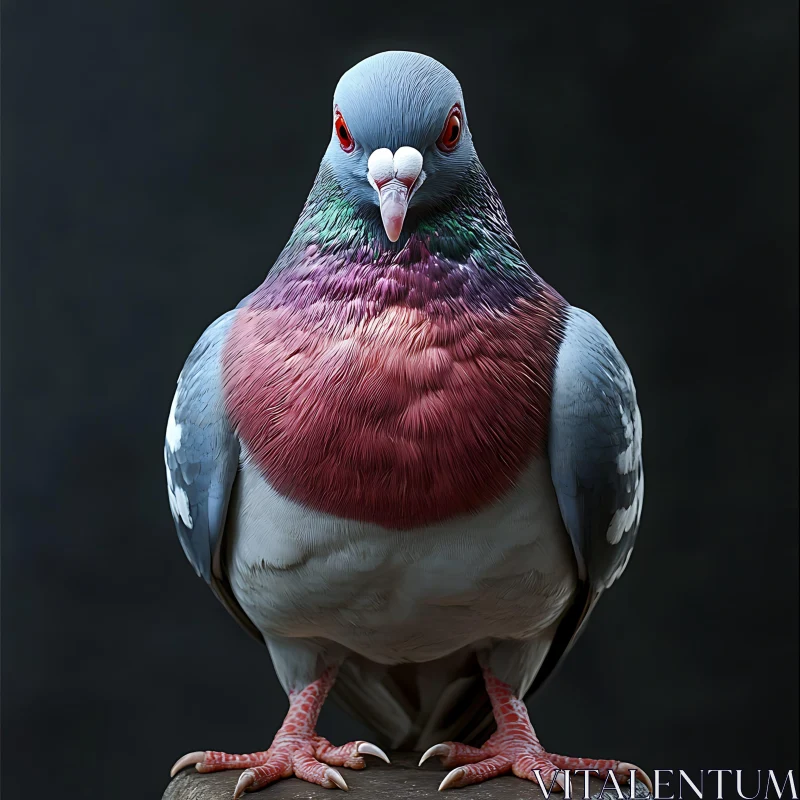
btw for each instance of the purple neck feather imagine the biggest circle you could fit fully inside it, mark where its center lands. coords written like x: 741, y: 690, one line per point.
x: 462, y: 254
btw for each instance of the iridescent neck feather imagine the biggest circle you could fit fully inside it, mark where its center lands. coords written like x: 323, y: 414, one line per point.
x: 463, y: 252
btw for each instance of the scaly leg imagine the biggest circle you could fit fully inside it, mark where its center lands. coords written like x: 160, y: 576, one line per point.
x: 514, y: 747
x: 296, y: 749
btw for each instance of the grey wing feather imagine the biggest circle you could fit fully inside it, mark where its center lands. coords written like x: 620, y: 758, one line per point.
x: 201, y: 453
x: 595, y: 451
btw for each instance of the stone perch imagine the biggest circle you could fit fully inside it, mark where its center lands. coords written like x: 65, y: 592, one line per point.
x: 399, y: 781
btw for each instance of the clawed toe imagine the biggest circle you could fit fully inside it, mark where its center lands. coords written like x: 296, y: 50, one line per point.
x: 514, y: 747
x: 335, y: 778
x: 526, y: 759
x: 442, y: 750
x: 346, y: 755
x: 311, y: 758
x: 453, y: 778
x: 246, y: 779
x: 369, y: 749
x: 296, y: 749
x: 190, y: 759
x: 477, y: 771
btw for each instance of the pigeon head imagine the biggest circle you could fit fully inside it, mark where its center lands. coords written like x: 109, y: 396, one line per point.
x: 400, y: 141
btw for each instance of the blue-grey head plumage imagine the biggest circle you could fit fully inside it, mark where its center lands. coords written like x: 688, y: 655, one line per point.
x: 397, y: 100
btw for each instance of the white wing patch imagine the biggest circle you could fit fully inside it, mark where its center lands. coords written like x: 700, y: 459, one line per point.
x: 182, y: 503
x: 628, y: 464
x: 178, y: 499
x: 627, y: 460
x: 174, y: 428
x: 625, y: 518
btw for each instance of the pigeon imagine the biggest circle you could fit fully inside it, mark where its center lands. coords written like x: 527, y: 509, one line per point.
x: 405, y: 463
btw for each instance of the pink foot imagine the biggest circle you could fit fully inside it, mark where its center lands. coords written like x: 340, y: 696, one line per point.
x: 296, y: 749
x: 515, y: 748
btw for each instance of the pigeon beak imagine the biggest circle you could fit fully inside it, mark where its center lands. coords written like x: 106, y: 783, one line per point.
x: 395, y: 177
x: 394, y: 204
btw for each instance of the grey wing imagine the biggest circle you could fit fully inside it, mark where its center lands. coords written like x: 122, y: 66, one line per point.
x: 595, y: 451
x: 201, y: 453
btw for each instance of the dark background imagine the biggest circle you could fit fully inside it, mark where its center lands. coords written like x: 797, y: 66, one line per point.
x: 157, y: 155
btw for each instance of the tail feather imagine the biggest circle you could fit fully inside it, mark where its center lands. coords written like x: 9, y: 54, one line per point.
x: 414, y: 706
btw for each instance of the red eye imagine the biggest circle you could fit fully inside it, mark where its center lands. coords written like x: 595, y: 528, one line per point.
x: 452, y: 131
x: 343, y: 132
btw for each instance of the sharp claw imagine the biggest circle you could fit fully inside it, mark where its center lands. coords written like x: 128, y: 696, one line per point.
x: 640, y: 774
x: 246, y: 779
x: 442, y: 750
x: 372, y: 750
x: 186, y: 761
x: 452, y: 778
x: 335, y: 776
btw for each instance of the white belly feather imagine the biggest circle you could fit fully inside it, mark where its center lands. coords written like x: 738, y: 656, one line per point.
x: 396, y: 596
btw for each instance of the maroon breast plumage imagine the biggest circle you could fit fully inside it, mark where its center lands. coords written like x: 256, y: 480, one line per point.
x: 374, y: 397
